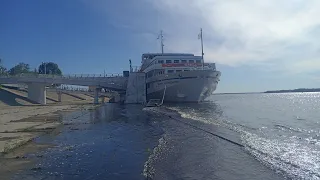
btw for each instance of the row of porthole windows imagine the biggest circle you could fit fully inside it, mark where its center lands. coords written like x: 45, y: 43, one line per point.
x: 179, y: 70
x: 150, y: 74
x: 178, y: 61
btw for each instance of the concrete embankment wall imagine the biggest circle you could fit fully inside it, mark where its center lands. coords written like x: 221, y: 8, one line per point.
x: 8, y: 98
x: 136, y: 88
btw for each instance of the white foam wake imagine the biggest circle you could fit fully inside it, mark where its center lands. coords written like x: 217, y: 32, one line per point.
x: 292, y: 156
x: 155, y: 155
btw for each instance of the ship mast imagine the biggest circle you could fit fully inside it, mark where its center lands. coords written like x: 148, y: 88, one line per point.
x: 161, y: 40
x: 202, y: 54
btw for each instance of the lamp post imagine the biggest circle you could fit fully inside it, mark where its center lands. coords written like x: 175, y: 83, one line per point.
x: 45, y: 68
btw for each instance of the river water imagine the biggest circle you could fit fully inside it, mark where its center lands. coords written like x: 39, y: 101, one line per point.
x: 276, y: 136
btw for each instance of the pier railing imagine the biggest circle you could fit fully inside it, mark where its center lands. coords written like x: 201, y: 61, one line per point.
x: 62, y: 76
x: 112, y: 81
x: 76, y: 90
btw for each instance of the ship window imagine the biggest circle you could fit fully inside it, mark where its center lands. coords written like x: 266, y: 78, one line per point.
x: 198, y: 61
x: 159, y: 72
x: 176, y: 61
x: 148, y: 85
x: 191, y: 61
x: 148, y: 57
x: 186, y: 70
x: 160, y: 61
x: 168, y: 61
x: 178, y: 70
x: 183, y: 61
x: 170, y: 71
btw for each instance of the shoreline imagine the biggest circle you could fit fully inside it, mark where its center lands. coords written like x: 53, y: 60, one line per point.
x: 108, y: 137
x: 22, y: 124
x: 19, y: 126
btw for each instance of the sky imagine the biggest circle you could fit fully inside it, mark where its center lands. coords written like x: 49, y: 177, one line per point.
x: 257, y: 45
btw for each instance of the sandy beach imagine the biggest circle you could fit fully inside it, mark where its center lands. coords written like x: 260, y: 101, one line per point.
x: 21, y: 121
x: 19, y: 125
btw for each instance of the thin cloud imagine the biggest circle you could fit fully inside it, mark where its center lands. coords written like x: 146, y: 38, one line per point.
x: 246, y: 31
x: 273, y: 35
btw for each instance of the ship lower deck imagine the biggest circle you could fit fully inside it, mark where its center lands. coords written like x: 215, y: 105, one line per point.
x: 187, y: 87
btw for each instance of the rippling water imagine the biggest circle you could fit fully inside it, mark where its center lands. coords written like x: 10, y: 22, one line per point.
x: 279, y: 133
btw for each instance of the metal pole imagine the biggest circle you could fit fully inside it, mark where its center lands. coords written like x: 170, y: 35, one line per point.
x: 130, y: 65
x: 161, y: 34
x: 161, y: 40
x: 202, y: 48
x: 45, y: 68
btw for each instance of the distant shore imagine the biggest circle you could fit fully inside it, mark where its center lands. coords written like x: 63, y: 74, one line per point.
x: 278, y: 91
x: 238, y: 93
x: 295, y: 90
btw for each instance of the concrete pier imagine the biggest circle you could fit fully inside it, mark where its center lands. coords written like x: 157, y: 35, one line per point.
x: 136, y: 88
x: 37, y: 93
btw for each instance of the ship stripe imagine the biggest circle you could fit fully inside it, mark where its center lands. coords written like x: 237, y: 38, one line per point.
x: 173, y: 79
x: 193, y: 77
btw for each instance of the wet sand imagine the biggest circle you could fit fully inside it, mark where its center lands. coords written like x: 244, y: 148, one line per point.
x: 20, y: 126
x: 110, y: 142
x: 22, y: 120
x: 16, y: 160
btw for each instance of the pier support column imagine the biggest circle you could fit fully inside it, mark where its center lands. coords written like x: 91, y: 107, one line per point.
x: 96, y: 96
x: 59, y: 96
x: 37, y: 93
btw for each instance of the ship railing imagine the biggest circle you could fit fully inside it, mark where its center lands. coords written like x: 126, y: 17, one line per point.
x: 135, y: 68
x: 210, y: 66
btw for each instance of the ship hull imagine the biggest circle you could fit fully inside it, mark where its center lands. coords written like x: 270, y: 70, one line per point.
x: 192, y: 86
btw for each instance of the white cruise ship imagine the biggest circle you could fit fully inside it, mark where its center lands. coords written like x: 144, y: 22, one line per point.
x: 178, y: 77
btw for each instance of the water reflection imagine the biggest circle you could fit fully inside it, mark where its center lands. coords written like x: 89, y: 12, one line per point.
x: 110, y: 142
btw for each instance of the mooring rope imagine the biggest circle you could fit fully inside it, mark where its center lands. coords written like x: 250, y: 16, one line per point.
x: 198, y: 128
x: 201, y: 129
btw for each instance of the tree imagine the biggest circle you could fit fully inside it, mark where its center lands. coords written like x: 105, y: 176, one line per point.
x: 49, y: 68
x: 3, y: 70
x: 19, y: 69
